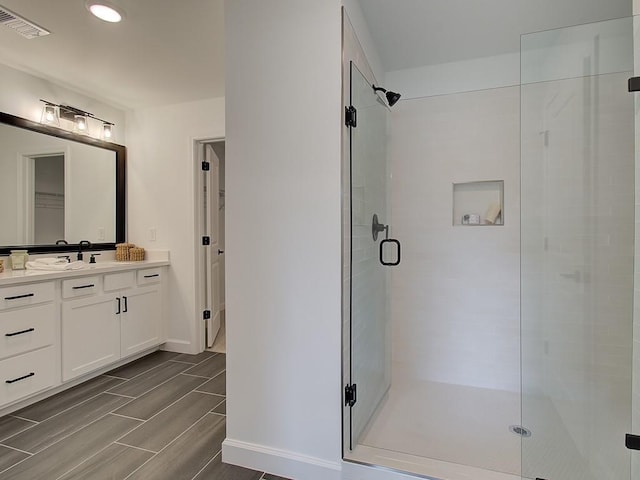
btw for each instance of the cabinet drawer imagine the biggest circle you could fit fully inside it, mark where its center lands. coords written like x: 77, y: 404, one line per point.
x: 25, y: 295
x: 118, y: 281
x: 25, y: 374
x: 26, y: 329
x: 79, y: 287
x: 149, y: 276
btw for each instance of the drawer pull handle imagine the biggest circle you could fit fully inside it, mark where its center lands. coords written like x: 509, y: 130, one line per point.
x: 20, y: 332
x: 79, y: 287
x: 151, y: 276
x: 20, y: 378
x: 26, y: 295
x: 126, y: 308
x: 119, y: 306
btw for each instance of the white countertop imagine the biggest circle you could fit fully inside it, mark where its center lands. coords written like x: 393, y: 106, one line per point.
x: 15, y: 277
x: 106, y: 264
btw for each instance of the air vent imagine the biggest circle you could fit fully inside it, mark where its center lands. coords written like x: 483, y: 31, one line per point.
x: 20, y: 25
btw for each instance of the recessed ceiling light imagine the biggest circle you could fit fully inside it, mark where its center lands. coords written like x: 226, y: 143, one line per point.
x: 105, y: 10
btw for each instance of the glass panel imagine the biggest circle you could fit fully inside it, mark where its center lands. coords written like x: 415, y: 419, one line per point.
x: 577, y: 251
x: 370, y: 346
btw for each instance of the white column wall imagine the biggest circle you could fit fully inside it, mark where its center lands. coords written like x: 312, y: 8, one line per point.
x: 283, y: 158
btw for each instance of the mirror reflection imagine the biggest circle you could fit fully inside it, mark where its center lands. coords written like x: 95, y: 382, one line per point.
x: 55, y: 189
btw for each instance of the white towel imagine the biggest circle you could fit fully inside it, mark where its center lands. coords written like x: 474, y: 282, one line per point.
x: 51, y: 261
x: 57, y: 267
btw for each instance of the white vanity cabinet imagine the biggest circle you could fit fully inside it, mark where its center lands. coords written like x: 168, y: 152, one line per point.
x: 110, y: 317
x: 28, y: 342
x: 139, y: 299
x: 90, y: 327
x: 61, y: 327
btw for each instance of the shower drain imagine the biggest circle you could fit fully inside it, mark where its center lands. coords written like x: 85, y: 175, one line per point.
x: 520, y: 430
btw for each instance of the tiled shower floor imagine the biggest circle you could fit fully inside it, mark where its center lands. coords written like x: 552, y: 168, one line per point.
x: 159, y: 417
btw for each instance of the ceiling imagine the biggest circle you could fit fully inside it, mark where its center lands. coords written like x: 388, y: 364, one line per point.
x: 414, y: 33
x: 172, y: 51
x: 163, y: 52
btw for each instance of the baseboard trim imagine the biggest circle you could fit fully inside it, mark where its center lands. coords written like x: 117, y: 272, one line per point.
x: 279, y: 462
x: 179, y: 346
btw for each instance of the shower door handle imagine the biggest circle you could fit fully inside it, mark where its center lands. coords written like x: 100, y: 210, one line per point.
x: 392, y: 241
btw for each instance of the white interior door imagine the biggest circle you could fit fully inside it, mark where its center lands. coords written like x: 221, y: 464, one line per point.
x: 212, y: 227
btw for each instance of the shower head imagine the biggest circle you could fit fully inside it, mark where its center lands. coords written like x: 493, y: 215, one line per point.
x: 392, y: 97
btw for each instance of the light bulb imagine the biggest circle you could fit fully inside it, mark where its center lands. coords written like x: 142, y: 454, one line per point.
x: 81, y: 124
x: 107, y: 131
x: 50, y: 115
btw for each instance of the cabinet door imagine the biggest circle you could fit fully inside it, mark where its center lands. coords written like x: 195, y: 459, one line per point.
x: 141, y: 319
x: 90, y: 335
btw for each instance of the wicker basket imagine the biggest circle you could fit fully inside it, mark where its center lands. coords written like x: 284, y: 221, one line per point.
x: 136, y: 254
x: 122, y: 251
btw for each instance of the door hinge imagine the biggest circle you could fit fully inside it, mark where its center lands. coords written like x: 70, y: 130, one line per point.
x: 206, y: 166
x: 632, y: 442
x: 350, y: 395
x: 206, y: 241
x: 634, y: 84
x: 350, y: 116
x: 206, y: 315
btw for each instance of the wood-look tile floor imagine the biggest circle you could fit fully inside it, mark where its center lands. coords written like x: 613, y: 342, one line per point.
x: 159, y: 417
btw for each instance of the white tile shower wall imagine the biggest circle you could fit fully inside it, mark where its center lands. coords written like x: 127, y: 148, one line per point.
x: 455, y: 297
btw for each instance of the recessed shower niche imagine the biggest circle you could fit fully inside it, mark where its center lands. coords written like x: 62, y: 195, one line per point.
x: 479, y: 203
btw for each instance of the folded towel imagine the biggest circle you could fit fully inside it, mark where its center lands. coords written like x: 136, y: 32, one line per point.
x: 51, y: 261
x: 58, y: 267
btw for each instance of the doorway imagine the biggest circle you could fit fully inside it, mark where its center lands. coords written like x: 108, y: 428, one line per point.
x: 210, y: 215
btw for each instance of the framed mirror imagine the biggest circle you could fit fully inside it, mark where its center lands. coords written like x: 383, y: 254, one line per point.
x: 58, y: 186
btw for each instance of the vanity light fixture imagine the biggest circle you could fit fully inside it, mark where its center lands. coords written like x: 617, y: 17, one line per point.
x: 105, y: 10
x: 107, y: 131
x: 51, y: 114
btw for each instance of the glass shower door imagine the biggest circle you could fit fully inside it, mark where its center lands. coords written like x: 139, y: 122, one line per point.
x: 370, y: 356
x: 577, y: 251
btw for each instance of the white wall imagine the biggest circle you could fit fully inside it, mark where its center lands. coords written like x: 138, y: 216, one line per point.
x: 456, y: 77
x: 363, y: 40
x: 161, y: 196
x: 283, y: 156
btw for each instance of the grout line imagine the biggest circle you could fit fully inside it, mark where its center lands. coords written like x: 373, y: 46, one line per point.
x: 209, y: 393
x: 117, y: 442
x: 25, y: 419
x: 114, y: 376
x: 16, y: 449
x: 211, y: 412
x: 207, y: 464
x: 142, y: 420
x: 120, y: 395
x: 192, y: 375
x: 182, y: 361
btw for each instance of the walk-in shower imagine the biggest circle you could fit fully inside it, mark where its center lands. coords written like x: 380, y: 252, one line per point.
x: 502, y: 349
